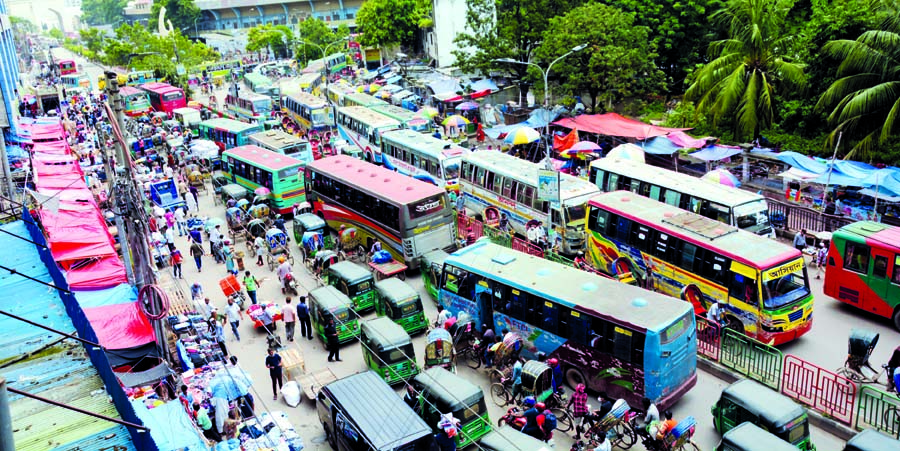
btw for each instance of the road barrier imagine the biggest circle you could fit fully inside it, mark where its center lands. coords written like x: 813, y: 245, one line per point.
x: 819, y: 388
x: 751, y: 358
x: 709, y: 338
x: 878, y: 410
x: 521, y: 245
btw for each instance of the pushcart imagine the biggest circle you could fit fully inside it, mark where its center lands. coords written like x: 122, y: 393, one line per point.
x: 388, y: 269
x: 232, y: 290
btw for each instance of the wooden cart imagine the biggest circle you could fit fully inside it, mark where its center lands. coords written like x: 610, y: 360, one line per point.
x: 295, y: 369
x: 388, y: 269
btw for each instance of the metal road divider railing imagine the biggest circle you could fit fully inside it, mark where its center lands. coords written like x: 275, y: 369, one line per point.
x: 497, y: 236
x: 879, y: 410
x: 709, y: 338
x: 751, y: 358
x: 818, y: 388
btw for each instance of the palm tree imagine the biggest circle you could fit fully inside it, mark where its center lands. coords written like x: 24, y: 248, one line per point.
x: 866, y: 99
x: 747, y: 69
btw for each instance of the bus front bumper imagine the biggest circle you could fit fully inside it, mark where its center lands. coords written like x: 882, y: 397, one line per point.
x: 778, y: 338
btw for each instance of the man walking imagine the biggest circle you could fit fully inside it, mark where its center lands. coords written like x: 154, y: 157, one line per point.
x: 234, y: 315
x: 334, y: 345
x: 250, y: 284
x: 273, y: 363
x: 303, y: 318
x: 289, y: 318
x: 800, y: 240
x: 181, y: 221
x: 197, y: 253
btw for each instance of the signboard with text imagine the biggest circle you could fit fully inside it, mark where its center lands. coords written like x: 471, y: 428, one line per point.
x: 548, y: 185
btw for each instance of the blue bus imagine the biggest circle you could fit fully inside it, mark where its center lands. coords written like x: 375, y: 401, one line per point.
x: 610, y: 336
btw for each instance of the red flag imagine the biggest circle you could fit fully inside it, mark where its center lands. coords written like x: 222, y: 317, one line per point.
x: 565, y: 142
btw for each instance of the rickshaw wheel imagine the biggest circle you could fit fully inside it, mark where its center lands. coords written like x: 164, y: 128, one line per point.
x: 496, y: 376
x: 574, y: 376
x: 853, y: 375
x: 688, y: 446
x: 499, y: 394
x: 401, y: 275
x: 564, y: 421
x: 472, y: 359
x: 625, y: 435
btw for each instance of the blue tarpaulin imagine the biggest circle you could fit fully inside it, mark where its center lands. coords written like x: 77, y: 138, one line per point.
x: 716, y: 153
x: 119, y: 294
x: 538, y: 119
x: 170, y: 426
x: 483, y: 84
x: 803, y: 162
x: 659, y: 146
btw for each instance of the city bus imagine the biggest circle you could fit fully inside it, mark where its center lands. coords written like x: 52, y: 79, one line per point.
x: 139, y: 77
x: 336, y: 93
x: 283, y: 143
x: 360, y: 99
x: 336, y: 62
x: 220, y: 68
x: 315, y: 66
x: 67, y: 67
x: 311, y: 83
x: 613, y: 337
x: 260, y: 84
x: 422, y: 157
x: 407, y: 118
x: 137, y: 103
x: 164, y: 97
x: 732, y: 206
x: 227, y: 133
x: 80, y: 81
x: 363, y: 127
x: 760, y: 285
x: 493, y: 183
x: 308, y: 111
x: 864, y: 268
x: 408, y: 216
x: 250, y: 106
x: 252, y: 166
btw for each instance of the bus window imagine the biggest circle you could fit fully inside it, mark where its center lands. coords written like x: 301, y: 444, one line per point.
x: 549, y: 317
x: 598, y: 220
x: 896, y: 275
x: 497, y: 186
x: 508, y: 189
x: 579, y: 326
x: 635, y: 186
x: 673, y: 198
x: 655, y: 192
x: 453, y: 278
x: 688, y: 252
x: 622, y: 344
x: 662, y: 246
x: 622, y: 229
x: 516, y: 306
x: 613, y: 183
x: 743, y: 288
x: 856, y: 257
x: 641, y: 237
x: 880, y: 268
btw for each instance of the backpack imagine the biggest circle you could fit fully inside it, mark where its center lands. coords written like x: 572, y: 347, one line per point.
x: 549, y: 421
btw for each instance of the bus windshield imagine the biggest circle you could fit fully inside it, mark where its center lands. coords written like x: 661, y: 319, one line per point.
x: 262, y: 106
x: 451, y: 168
x: 398, y: 354
x: 427, y: 206
x: 318, y: 115
x: 576, y: 212
x: 784, y: 284
x: 752, y: 216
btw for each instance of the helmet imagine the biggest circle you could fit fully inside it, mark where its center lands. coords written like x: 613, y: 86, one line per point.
x: 540, y: 406
x: 580, y: 254
x: 552, y: 362
x: 280, y: 259
x: 528, y: 401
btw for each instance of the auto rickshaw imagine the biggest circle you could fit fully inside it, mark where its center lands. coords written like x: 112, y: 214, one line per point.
x: 398, y: 301
x: 431, y: 267
x: 354, y: 281
x: 442, y: 392
x: 325, y: 302
x: 235, y: 217
x: 506, y: 438
x: 308, y: 222
x: 277, y: 243
x: 748, y: 400
x: 871, y: 440
x: 259, y: 211
x: 324, y: 260
x: 439, y: 350
x: 750, y: 437
x: 537, y: 380
x: 233, y: 191
x: 388, y: 350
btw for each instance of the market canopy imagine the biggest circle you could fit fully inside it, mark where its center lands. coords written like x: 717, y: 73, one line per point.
x: 716, y: 153
x: 121, y: 326
x: 538, y: 119
x: 612, y: 124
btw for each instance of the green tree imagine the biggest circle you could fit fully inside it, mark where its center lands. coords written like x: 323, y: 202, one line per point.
x: 56, y: 33
x: 92, y: 38
x: 619, y: 59
x: 182, y: 13
x: 314, y: 34
x: 23, y: 24
x: 101, y: 12
x: 386, y: 23
x: 276, y: 39
x: 748, y: 69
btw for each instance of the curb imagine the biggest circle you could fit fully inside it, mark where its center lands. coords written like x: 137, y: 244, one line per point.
x: 835, y: 428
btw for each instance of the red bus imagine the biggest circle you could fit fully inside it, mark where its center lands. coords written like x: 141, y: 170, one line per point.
x: 67, y: 67
x: 164, y: 97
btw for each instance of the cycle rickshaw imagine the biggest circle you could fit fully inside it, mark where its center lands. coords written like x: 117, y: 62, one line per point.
x: 259, y: 211
x: 243, y: 204
x: 277, y: 242
x: 857, y: 367
x: 439, y: 350
x: 537, y: 381
x: 235, y: 217
x: 349, y: 246
x: 321, y: 262
x: 310, y: 244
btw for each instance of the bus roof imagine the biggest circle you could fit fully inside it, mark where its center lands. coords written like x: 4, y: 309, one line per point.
x: 130, y: 90
x: 427, y: 144
x: 305, y: 98
x: 369, y: 117
x: 263, y: 157
x: 508, y: 165
x: 252, y: 96
x: 377, y: 180
x: 397, y: 112
x: 572, y: 287
x: 257, y: 77
x: 276, y: 138
x: 740, y: 245
x: 684, y: 183
x: 158, y: 87
x: 308, y: 77
x: 384, y: 332
x: 229, y: 124
x: 363, y: 99
x: 885, y: 235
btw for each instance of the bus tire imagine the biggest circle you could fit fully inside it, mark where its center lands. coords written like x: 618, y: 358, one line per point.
x: 574, y: 376
x: 329, y: 437
x: 734, y: 324
x: 692, y: 294
x: 896, y: 318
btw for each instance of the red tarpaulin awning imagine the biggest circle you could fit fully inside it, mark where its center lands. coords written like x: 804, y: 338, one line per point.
x: 612, y: 124
x: 120, y: 326
x: 106, y: 272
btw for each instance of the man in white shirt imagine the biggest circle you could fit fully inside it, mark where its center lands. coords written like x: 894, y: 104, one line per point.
x: 170, y: 239
x: 181, y: 221
x: 289, y: 318
x: 215, y: 242
x: 283, y: 269
x: 234, y: 315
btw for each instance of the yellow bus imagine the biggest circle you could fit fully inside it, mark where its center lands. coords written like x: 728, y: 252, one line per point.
x: 311, y: 83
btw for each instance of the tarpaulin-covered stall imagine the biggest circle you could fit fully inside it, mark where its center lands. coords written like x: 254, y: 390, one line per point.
x: 612, y: 124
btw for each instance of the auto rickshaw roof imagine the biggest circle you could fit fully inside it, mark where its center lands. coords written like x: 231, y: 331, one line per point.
x: 331, y: 299
x: 235, y: 191
x: 751, y: 437
x: 774, y: 408
x: 350, y: 272
x: 872, y: 440
x: 395, y: 290
x: 385, y: 333
x: 535, y: 368
x: 508, y: 439
x: 438, y: 334
x: 310, y: 222
x: 378, y: 412
x: 449, y: 389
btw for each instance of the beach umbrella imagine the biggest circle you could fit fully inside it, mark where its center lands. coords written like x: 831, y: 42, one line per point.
x: 522, y: 135
x: 627, y: 151
x: 580, y: 149
x: 262, y: 191
x: 466, y: 106
x: 428, y: 112
x: 456, y: 121
x: 722, y: 176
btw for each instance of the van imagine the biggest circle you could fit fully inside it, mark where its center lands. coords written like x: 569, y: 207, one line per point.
x: 362, y: 413
x: 750, y: 401
x: 388, y: 350
x: 327, y: 302
x: 400, y: 302
x: 189, y: 117
x: 750, y: 437
x: 354, y: 281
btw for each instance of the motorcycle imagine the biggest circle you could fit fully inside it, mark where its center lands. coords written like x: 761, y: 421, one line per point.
x: 517, y: 422
x: 289, y: 284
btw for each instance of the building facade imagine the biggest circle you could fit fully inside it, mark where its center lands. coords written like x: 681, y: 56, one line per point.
x: 449, y: 18
x: 9, y: 71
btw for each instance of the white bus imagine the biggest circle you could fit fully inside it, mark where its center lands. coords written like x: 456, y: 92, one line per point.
x: 364, y: 127
x: 308, y: 111
x: 406, y: 117
x: 250, y: 106
x: 493, y: 183
x: 283, y: 143
x: 732, y: 206
x: 423, y: 157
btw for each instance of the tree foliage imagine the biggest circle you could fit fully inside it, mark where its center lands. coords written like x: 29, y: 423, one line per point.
x: 276, y: 39
x: 619, y: 59
x: 23, y: 24
x: 386, y: 23
x: 182, y: 13
x: 314, y: 36
x: 739, y: 85
x: 101, y: 12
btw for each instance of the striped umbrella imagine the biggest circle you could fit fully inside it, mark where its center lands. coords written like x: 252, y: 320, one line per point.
x: 627, y: 151
x: 722, y: 176
x: 522, y: 135
x: 455, y: 120
x: 580, y: 149
x: 466, y: 106
x: 428, y: 112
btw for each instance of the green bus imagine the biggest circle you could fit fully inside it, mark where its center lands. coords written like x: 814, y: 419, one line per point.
x: 354, y: 281
x: 388, y: 350
x: 220, y: 68
x: 261, y: 84
x: 327, y: 302
x: 360, y: 99
x: 407, y: 118
x: 401, y: 303
x: 253, y: 167
x: 336, y: 62
x: 227, y: 133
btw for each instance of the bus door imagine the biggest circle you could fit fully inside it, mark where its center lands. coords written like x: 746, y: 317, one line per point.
x: 486, y: 298
x: 879, y: 283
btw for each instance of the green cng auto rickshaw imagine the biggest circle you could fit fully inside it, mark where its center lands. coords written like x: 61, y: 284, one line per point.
x: 872, y: 440
x: 354, y: 281
x: 398, y: 301
x: 506, y: 438
x: 750, y: 437
x: 387, y: 350
x: 327, y: 301
x: 432, y: 265
x: 747, y: 400
x: 442, y: 392
x: 234, y: 191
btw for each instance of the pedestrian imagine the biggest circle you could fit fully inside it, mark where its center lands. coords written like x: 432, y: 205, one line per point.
x: 800, y: 240
x: 196, y: 236
x: 169, y: 233
x: 460, y: 202
x: 170, y: 219
x: 260, y: 245
x: 289, y: 316
x: 181, y: 220
x: 202, y: 417
x: 334, y: 345
x: 234, y: 315
x: 215, y: 243
x: 197, y: 252
x: 194, y: 194
x: 821, y: 259
x: 303, y: 318
x: 217, y: 334
x: 274, y: 364
x: 445, y: 439
x: 578, y: 406
x: 206, y: 308
x: 517, y: 377
x: 228, y: 255
x: 251, y: 285
x: 176, y: 259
